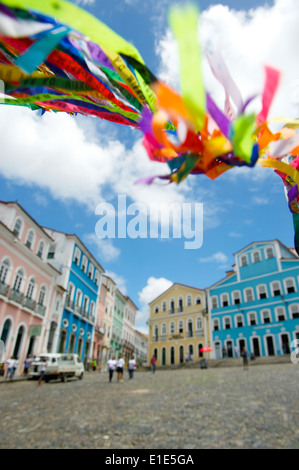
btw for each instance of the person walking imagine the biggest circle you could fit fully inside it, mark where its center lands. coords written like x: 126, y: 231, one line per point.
x: 153, y: 364
x: 245, y: 355
x: 120, y: 368
x: 111, y: 367
x: 10, y: 364
x: 131, y: 367
x: 42, y: 371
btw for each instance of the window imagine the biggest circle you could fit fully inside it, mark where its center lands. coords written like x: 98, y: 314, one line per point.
x: 180, y: 304
x: 276, y: 288
x: 269, y: 252
x: 198, y: 300
x: 198, y: 323
x: 18, y: 227
x: 156, y: 332
x: 77, y: 256
x: 216, y: 324
x: 266, y: 316
x: 40, y: 249
x: 78, y: 298
x: 156, y: 309
x: 224, y: 298
x: 172, y: 328
x: 19, y: 280
x: 190, y: 328
x: 163, y: 329
x: 249, y: 294
x: 181, y: 326
x: 252, y: 318
x: 4, y: 268
x: 97, y: 278
x: 244, y: 260
x: 239, y: 321
x: 164, y: 306
x: 189, y: 300
x: 51, y: 252
x: 172, y: 306
x: 214, y: 302
x: 237, y: 297
x: 30, y: 288
x: 85, y: 304
x: 90, y: 271
x: 290, y: 285
x: 262, y: 292
x: 294, y: 310
x: 280, y: 314
x: 84, y: 264
x: 42, y: 296
x: 227, y: 323
x: 30, y: 239
x: 256, y: 256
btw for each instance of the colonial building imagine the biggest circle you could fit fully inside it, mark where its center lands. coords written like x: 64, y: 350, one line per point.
x: 256, y: 305
x: 178, y: 325
x: 128, y: 333
x: 141, y: 348
x: 81, y: 276
x: 109, y: 286
x: 118, y: 321
x: 31, y: 297
x: 99, y: 330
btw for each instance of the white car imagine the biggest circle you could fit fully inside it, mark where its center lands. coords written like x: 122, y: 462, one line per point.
x: 59, y: 366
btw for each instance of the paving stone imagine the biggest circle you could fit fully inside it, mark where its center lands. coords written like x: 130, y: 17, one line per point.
x: 171, y: 409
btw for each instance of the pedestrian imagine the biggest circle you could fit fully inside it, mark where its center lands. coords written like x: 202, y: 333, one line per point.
x: 94, y: 365
x: 120, y: 368
x: 10, y: 363
x: 27, y: 364
x: 236, y: 351
x: 42, y: 371
x: 153, y: 364
x: 131, y: 367
x: 111, y: 367
x: 245, y: 355
x: 14, y: 367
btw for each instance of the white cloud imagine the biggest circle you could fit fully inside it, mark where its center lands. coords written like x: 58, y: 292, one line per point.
x: 247, y: 41
x: 104, y: 248
x: 153, y: 288
x: 218, y: 257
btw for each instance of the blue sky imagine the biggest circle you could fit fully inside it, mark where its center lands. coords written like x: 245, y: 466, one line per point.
x: 59, y: 168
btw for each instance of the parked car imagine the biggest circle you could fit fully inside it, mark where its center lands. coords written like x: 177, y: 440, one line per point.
x: 59, y: 366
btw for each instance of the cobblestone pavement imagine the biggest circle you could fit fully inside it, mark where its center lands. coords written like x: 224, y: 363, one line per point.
x: 171, y: 409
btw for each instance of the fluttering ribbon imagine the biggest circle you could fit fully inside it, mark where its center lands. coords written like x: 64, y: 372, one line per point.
x: 56, y: 57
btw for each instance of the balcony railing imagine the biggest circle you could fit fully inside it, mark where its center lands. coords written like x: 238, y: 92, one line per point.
x: 40, y: 309
x: 29, y: 303
x: 16, y: 296
x: 199, y: 332
x: 4, y: 289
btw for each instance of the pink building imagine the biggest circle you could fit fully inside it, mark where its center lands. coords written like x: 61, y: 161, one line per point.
x: 99, y: 327
x: 31, y: 302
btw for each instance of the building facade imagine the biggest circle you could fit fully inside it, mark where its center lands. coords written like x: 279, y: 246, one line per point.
x: 178, y: 325
x: 81, y: 277
x: 128, y: 334
x: 109, y: 286
x: 117, y: 323
x: 31, y: 298
x: 256, y: 305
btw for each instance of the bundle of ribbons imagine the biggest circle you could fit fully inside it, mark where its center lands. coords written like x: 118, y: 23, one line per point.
x: 56, y: 57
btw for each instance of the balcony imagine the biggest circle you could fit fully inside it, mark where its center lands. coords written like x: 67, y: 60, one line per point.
x: 189, y: 334
x: 29, y: 303
x: 16, y: 296
x: 40, y: 309
x: 4, y: 289
x: 199, y: 332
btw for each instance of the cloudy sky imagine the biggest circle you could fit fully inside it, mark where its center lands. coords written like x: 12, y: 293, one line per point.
x: 62, y: 168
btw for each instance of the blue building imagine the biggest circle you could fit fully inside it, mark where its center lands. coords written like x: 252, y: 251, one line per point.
x: 256, y: 305
x: 81, y: 279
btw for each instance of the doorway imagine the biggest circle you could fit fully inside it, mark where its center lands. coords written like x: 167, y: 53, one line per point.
x: 270, y: 346
x: 256, y: 347
x: 285, y: 344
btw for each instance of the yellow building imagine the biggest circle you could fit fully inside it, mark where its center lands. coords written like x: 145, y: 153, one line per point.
x: 178, y: 325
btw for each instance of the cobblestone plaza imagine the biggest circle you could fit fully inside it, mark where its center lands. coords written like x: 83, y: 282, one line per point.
x: 214, y: 408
